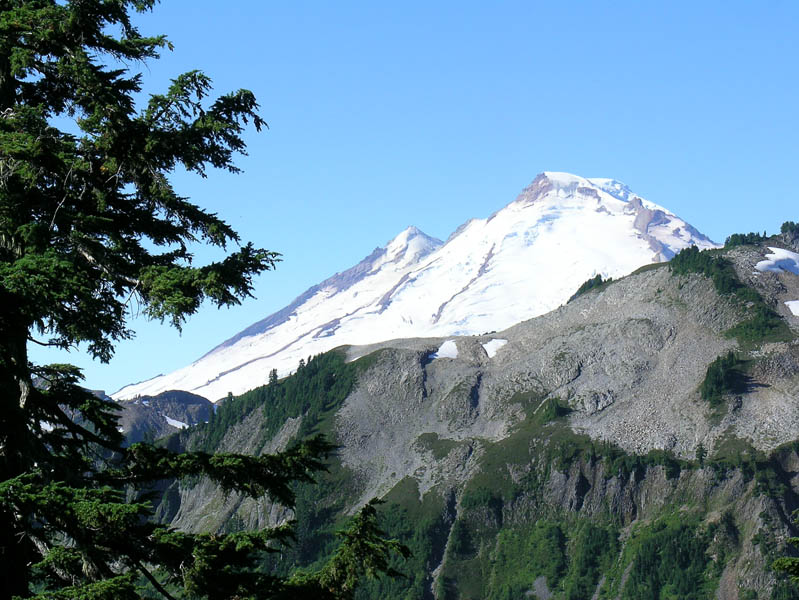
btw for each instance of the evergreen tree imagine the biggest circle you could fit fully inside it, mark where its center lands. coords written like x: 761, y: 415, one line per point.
x: 89, y: 222
x: 701, y: 454
x: 789, y: 565
x: 789, y: 227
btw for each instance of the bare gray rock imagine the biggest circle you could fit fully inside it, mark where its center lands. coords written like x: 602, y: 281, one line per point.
x: 628, y: 360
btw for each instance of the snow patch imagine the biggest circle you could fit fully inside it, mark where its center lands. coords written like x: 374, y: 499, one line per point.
x: 793, y: 306
x: 492, y: 346
x: 447, y: 350
x: 176, y: 423
x: 780, y: 260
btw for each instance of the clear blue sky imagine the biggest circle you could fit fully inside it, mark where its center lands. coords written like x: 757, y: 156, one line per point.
x: 384, y: 115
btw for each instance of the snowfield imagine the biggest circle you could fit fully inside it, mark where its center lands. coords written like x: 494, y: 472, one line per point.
x: 447, y: 350
x: 523, y: 261
x: 492, y: 347
x: 780, y: 260
x: 176, y: 423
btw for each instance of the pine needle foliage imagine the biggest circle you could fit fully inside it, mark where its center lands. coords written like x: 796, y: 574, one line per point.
x: 90, y: 225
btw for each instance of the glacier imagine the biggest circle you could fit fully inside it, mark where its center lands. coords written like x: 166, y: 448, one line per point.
x: 522, y: 261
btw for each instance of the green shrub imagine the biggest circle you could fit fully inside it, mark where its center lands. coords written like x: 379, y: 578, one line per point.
x: 552, y: 409
x: 789, y: 227
x: 595, y: 283
x: 718, y: 269
x: 481, y: 497
x: 423, y: 526
x: 722, y: 377
x: 763, y: 325
x: 741, y: 239
x: 593, y: 551
x: 524, y: 554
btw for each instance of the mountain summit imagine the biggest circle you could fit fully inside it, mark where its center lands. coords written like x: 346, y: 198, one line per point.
x: 523, y: 261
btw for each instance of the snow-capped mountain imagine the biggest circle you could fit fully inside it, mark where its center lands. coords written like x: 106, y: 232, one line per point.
x: 524, y: 260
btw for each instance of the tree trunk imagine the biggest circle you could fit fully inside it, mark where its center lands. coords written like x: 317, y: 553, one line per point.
x: 16, y: 552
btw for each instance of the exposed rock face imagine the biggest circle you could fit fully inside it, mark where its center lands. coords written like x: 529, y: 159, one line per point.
x: 161, y: 415
x: 627, y: 359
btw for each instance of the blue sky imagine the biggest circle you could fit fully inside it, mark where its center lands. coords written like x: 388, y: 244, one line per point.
x: 384, y: 115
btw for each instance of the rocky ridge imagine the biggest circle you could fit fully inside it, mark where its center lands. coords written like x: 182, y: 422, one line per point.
x: 591, y: 412
x: 152, y: 417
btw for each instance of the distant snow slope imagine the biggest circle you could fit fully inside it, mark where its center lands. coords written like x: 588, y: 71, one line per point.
x: 522, y: 261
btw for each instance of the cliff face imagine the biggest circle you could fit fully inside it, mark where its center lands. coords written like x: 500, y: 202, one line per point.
x: 582, y: 428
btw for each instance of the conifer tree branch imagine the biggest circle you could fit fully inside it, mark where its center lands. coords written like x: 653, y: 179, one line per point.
x: 153, y: 581
x: 82, y: 208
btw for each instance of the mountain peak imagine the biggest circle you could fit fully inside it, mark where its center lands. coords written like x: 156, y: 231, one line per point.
x: 410, y: 244
x: 568, y: 183
x: 412, y: 230
x: 407, y: 234
x: 559, y: 183
x: 523, y: 261
x: 561, y: 179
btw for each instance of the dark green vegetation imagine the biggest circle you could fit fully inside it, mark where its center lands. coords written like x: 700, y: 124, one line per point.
x: 741, y: 239
x: 89, y: 226
x: 595, y: 283
x: 494, y: 552
x: 672, y: 561
x: 317, y: 388
x: 424, y: 527
x: 789, y: 227
x: 551, y: 409
x: 314, y: 393
x: 709, y: 264
x: 762, y: 323
x: 753, y: 238
x: 723, y: 377
x: 544, y: 551
x: 789, y: 564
